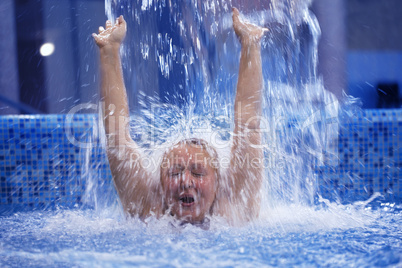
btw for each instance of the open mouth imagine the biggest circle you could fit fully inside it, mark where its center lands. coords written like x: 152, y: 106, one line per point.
x: 187, y: 200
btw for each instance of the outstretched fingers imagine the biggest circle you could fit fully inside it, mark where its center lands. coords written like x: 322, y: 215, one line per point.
x: 96, y: 37
x: 120, y: 21
x: 108, y: 24
x: 111, y: 34
x: 262, y: 31
x: 236, y: 14
x: 236, y: 18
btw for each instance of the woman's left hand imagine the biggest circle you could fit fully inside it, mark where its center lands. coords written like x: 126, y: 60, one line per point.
x: 113, y: 35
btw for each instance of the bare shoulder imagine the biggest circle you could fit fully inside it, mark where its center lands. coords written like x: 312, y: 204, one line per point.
x: 224, y: 205
x: 138, y: 187
x: 237, y: 208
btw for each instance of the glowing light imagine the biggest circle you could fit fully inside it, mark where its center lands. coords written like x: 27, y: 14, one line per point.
x: 46, y: 49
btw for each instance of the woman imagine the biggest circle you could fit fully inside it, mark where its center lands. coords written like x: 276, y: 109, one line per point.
x: 190, y: 186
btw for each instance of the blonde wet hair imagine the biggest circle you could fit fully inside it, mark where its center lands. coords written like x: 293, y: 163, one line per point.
x: 198, y: 143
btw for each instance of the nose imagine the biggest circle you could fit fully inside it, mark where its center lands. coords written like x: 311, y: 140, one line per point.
x: 187, y: 180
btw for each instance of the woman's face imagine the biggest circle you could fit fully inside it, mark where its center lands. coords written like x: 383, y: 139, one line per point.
x: 189, y: 182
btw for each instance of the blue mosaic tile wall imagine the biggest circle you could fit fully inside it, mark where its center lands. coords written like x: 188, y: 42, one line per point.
x: 41, y: 166
x: 370, y: 159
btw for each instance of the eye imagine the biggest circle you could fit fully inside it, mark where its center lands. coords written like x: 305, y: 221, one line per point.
x: 199, y: 171
x: 175, y: 171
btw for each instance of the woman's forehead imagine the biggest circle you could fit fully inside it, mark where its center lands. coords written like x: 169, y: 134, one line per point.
x: 187, y: 152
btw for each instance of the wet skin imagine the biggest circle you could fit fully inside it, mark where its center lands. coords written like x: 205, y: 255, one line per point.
x: 187, y: 193
x: 189, y: 183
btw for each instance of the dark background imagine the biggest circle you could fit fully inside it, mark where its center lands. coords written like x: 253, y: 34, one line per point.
x: 360, y: 52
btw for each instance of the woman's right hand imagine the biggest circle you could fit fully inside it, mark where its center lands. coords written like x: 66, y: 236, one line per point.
x: 246, y: 32
x: 112, y: 36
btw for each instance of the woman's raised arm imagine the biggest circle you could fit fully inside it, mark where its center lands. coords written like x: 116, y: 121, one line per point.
x: 246, y: 166
x: 132, y: 181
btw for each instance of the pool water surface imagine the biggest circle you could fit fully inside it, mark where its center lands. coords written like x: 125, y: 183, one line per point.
x: 287, y: 236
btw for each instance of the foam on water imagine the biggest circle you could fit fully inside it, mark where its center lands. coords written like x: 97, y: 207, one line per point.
x: 290, y: 235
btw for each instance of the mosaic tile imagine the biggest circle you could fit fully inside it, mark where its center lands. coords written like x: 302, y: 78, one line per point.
x: 41, y: 164
x: 370, y: 158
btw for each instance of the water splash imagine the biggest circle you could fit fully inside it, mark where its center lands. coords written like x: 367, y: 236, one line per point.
x: 83, y: 238
x: 181, y: 75
x: 301, y: 123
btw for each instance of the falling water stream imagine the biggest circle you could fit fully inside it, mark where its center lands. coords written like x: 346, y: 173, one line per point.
x: 180, y: 63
